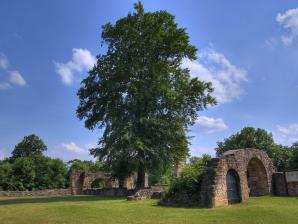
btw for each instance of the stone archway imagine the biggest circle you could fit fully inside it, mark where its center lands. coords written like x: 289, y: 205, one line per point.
x: 257, y: 179
x: 80, y: 181
x: 99, y: 183
x: 233, y: 187
x: 253, y: 167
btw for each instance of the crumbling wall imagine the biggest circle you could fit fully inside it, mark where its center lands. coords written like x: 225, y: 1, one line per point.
x: 214, y: 186
x: 80, y: 182
x: 286, y: 183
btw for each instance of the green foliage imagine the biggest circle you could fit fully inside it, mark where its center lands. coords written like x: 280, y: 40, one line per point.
x: 50, y: 173
x: 80, y: 165
x: 248, y: 137
x: 98, y: 183
x: 23, y: 173
x: 5, y: 175
x: 294, y: 158
x: 139, y: 94
x: 28, y: 169
x: 30, y: 146
x: 186, y: 188
x: 33, y: 173
x: 258, y: 138
x: 161, y: 177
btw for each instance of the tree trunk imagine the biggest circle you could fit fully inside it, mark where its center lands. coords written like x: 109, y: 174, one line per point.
x: 141, y: 178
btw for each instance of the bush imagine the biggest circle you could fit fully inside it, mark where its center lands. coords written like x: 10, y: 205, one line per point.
x: 32, y: 173
x: 98, y: 183
x: 85, y: 165
x: 50, y: 173
x: 5, y: 175
x: 186, y: 188
x: 23, y: 174
x: 160, y: 178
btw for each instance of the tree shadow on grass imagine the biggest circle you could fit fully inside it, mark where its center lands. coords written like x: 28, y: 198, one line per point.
x: 177, y: 205
x: 46, y: 199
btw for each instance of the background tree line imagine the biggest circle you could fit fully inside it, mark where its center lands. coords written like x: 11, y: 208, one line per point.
x: 29, y: 169
x: 284, y: 157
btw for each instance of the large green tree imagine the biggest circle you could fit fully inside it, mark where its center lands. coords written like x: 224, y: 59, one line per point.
x: 30, y: 146
x: 258, y: 138
x: 139, y: 94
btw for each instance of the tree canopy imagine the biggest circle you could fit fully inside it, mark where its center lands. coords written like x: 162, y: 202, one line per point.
x: 139, y: 94
x: 88, y: 166
x: 30, y: 146
x: 294, y: 159
x: 258, y: 138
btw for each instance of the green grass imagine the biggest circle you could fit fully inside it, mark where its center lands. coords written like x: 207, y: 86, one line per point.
x: 91, y: 209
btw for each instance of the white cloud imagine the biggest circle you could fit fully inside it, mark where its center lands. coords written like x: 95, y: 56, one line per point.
x: 289, y: 21
x: 287, y: 134
x: 4, y: 63
x: 72, y: 147
x: 226, y: 78
x: 82, y: 60
x: 90, y: 145
x: 16, y: 78
x: 4, y: 86
x: 211, y: 125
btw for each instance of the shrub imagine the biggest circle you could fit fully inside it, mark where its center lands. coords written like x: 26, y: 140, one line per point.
x: 186, y: 188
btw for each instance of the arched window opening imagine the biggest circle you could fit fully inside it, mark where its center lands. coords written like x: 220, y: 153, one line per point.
x: 98, y: 183
x: 257, y: 178
x: 233, y: 187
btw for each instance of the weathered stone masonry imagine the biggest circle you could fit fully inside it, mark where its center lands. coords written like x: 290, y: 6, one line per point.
x: 252, y: 169
x: 286, y: 183
x: 80, y: 183
x: 47, y: 192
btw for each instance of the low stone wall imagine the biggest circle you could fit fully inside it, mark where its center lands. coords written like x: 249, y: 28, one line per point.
x: 279, y: 184
x: 132, y: 194
x: 293, y: 189
x: 47, y: 192
x: 107, y: 192
x: 292, y: 182
x: 146, y: 193
x: 285, y: 183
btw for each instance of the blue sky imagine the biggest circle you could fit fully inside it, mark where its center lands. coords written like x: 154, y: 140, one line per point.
x: 248, y: 49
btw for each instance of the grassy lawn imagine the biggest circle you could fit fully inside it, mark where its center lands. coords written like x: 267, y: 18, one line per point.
x: 91, y: 209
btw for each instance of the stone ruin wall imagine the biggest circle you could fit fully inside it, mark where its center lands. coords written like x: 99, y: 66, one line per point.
x: 80, y: 183
x: 46, y: 192
x: 214, y: 188
x: 286, y: 183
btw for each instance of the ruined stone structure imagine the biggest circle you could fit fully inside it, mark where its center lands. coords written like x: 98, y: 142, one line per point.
x: 235, y: 176
x: 286, y: 183
x: 81, y: 182
x: 231, y: 178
